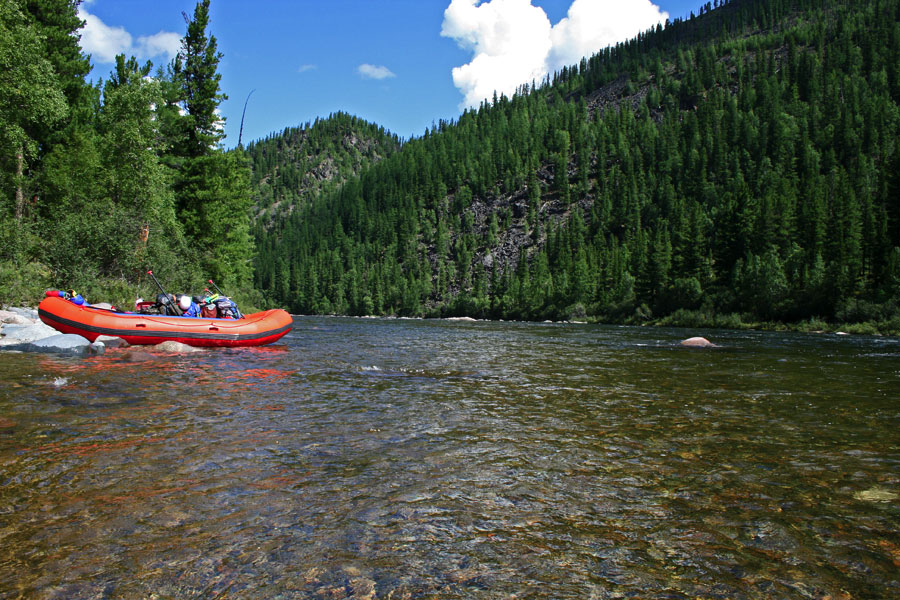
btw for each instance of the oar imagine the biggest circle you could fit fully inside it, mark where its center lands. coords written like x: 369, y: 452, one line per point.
x: 150, y: 273
x: 221, y: 293
x: 165, y: 295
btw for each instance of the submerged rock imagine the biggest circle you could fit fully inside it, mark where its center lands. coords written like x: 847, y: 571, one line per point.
x: 135, y: 355
x: 876, y: 494
x: 698, y: 342
x: 113, y: 342
x: 177, y: 347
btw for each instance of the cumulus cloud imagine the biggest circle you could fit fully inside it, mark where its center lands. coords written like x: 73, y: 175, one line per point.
x: 592, y: 25
x: 513, y: 42
x: 100, y: 40
x: 164, y: 43
x: 509, y: 38
x: 104, y: 42
x: 368, y: 71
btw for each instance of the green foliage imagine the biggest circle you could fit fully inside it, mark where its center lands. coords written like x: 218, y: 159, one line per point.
x: 22, y: 284
x: 217, y: 219
x: 31, y: 99
x: 22, y: 278
x: 115, y: 180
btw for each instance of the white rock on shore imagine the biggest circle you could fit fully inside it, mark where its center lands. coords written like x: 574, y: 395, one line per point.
x: 20, y: 334
x: 22, y: 331
x: 61, y: 343
x: 9, y: 317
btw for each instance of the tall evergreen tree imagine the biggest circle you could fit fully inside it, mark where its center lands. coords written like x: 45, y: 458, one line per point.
x: 195, y: 72
x: 212, y: 186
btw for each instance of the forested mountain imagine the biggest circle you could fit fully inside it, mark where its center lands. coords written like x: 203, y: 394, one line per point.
x: 102, y: 181
x: 742, y: 161
x: 300, y: 163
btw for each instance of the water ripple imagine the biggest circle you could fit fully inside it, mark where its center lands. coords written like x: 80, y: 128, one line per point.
x: 426, y: 459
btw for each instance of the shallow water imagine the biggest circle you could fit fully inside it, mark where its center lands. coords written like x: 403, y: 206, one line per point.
x: 365, y: 458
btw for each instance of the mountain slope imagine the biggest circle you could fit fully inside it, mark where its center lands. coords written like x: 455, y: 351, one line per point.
x: 302, y: 162
x: 741, y: 161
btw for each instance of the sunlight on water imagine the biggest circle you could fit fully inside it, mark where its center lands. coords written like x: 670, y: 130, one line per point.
x: 365, y: 458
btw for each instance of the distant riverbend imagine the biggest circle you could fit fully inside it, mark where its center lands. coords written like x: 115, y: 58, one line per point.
x: 389, y: 458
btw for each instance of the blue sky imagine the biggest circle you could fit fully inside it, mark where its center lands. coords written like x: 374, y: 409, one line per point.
x: 402, y: 64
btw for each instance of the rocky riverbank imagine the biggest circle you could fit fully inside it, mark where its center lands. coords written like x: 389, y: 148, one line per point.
x: 21, y: 330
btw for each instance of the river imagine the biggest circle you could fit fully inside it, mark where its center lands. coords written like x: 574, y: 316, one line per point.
x: 378, y: 458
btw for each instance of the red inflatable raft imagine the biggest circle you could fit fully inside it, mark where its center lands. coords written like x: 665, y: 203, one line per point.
x: 257, y: 329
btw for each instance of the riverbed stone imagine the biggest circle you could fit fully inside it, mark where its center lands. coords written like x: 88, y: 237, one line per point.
x: 112, y: 342
x: 135, y: 355
x: 174, y: 347
x: 698, y: 342
x: 876, y: 494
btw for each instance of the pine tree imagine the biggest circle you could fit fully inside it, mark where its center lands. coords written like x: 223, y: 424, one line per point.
x: 195, y: 71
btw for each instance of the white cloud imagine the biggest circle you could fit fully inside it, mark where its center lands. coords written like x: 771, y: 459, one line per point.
x: 592, y: 25
x: 374, y: 71
x: 514, y: 43
x: 305, y: 68
x: 103, y: 42
x: 164, y: 43
x: 510, y: 40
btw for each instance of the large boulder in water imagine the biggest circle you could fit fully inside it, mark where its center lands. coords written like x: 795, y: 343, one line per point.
x: 21, y: 334
x: 63, y: 343
x: 698, y: 342
x: 112, y: 342
x: 176, y: 347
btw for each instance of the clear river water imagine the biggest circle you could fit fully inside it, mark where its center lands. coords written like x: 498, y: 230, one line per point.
x: 377, y: 458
